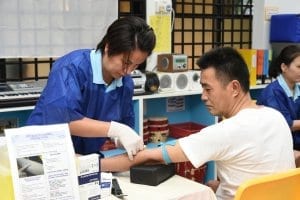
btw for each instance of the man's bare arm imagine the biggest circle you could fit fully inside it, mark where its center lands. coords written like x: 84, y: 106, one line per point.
x: 122, y: 163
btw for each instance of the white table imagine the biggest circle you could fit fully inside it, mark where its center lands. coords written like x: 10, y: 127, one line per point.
x: 176, y: 187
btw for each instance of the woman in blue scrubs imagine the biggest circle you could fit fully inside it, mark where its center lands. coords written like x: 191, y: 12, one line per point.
x: 283, y: 94
x: 91, y: 89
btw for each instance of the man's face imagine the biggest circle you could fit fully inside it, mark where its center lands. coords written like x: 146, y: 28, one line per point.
x: 215, y: 96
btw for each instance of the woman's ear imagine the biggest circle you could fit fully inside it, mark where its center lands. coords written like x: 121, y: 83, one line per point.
x: 283, y: 67
x: 106, y: 48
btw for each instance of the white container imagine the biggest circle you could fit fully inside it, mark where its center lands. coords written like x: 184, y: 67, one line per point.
x: 6, y: 186
x: 88, y: 176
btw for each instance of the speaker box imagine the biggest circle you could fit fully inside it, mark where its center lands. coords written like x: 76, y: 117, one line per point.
x: 181, y: 81
x: 194, y: 80
x: 172, y: 63
x: 166, y: 82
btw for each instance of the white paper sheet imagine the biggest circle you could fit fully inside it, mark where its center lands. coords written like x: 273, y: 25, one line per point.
x: 42, y: 162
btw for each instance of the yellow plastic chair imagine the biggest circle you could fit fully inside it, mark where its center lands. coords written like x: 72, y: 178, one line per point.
x: 280, y: 186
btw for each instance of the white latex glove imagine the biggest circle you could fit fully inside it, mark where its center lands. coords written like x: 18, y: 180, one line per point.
x: 128, y: 138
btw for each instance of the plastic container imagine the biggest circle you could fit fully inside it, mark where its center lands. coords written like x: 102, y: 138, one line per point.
x: 184, y: 129
x: 158, y: 121
x: 108, y: 145
x: 153, y: 128
x: 146, y: 137
x: 187, y: 170
x: 6, y: 186
x: 158, y: 136
x: 285, y: 28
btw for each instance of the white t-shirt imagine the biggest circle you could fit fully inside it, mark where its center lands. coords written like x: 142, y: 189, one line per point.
x: 256, y: 141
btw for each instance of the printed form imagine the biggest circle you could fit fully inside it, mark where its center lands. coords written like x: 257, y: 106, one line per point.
x: 42, y: 162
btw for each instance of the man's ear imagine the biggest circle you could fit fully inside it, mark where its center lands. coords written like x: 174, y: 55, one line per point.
x: 236, y: 87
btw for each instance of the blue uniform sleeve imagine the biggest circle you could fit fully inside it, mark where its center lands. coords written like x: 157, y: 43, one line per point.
x: 276, y: 98
x: 60, y: 101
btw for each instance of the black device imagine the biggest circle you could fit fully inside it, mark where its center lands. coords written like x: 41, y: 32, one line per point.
x: 151, y: 174
x: 144, y: 82
x: 116, y: 190
x: 152, y: 82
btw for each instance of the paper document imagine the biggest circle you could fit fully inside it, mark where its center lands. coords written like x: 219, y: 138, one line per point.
x: 42, y: 161
x: 163, y: 29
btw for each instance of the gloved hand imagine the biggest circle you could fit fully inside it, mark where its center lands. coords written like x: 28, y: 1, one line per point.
x: 128, y: 138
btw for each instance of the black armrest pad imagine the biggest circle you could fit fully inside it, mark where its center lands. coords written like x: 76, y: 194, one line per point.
x: 151, y: 174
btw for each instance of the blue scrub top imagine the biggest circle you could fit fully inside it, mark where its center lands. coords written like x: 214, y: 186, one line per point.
x: 72, y: 93
x: 275, y: 96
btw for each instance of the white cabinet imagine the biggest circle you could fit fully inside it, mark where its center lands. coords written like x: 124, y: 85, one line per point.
x: 156, y: 105
x: 152, y: 106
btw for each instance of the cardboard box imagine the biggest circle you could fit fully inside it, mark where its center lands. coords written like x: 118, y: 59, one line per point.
x: 88, y: 176
x: 106, y: 184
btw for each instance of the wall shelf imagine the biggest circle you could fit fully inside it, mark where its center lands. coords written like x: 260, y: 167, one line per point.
x: 146, y: 106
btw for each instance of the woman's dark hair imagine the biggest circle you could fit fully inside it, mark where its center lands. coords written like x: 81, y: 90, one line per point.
x: 127, y: 34
x: 228, y: 64
x: 286, y: 56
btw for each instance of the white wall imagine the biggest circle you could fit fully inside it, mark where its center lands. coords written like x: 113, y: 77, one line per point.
x: 261, y: 23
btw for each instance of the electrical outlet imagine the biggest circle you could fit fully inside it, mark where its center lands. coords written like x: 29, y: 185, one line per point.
x: 7, y: 123
x: 163, y: 6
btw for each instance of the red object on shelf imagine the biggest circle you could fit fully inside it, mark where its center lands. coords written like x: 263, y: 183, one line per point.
x: 184, y: 129
x: 153, y: 128
x: 146, y: 137
x: 158, y: 121
x: 187, y: 170
x: 108, y: 145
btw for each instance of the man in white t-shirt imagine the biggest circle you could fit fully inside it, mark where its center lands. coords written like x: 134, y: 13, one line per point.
x: 251, y: 141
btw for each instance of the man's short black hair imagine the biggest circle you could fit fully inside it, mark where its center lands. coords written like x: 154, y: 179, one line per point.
x: 229, y: 65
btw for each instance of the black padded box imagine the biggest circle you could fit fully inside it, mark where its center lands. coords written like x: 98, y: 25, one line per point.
x: 151, y: 174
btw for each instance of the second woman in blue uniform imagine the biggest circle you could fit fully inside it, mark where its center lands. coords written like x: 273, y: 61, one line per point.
x: 283, y: 94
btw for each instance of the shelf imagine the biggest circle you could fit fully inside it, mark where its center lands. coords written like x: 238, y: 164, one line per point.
x: 258, y: 87
x: 14, y: 109
x: 151, y: 105
x: 139, y: 97
x: 183, y: 93
x: 166, y: 94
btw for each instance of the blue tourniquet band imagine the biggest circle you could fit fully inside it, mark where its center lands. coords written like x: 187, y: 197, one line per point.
x: 165, y: 154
